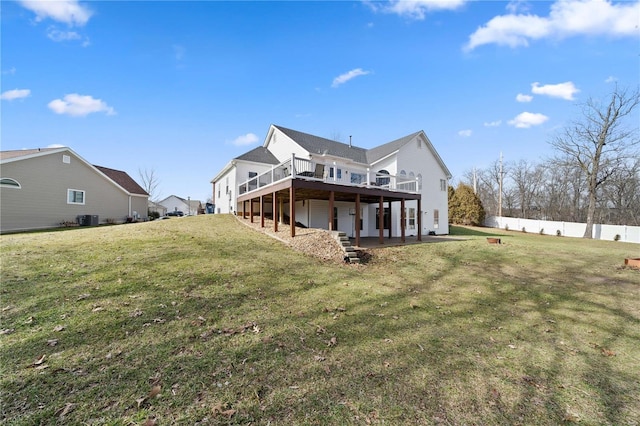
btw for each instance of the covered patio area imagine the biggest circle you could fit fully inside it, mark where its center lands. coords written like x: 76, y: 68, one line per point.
x: 289, y: 191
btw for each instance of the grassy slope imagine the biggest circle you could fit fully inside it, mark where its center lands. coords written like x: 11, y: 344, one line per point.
x: 236, y: 328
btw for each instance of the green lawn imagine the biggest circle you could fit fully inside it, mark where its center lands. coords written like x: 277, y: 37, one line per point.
x: 201, y: 320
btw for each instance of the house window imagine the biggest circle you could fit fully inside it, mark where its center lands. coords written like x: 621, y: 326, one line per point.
x: 75, y: 196
x: 357, y: 178
x: 66, y: 159
x: 411, y: 220
x: 386, y: 218
x: 443, y: 184
x: 338, y: 173
x: 419, y: 181
x: 436, y: 218
x: 381, y: 179
x: 9, y: 183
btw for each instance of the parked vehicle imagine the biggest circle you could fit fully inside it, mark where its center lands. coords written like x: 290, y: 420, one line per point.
x: 176, y: 213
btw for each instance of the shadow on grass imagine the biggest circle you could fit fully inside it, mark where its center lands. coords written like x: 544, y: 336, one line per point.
x: 457, y: 230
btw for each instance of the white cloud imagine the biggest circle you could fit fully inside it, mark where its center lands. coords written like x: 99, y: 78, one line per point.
x: 10, y: 95
x: 611, y: 79
x: 566, y: 18
x: 79, y: 105
x: 343, y: 78
x: 415, y: 9
x: 561, y: 90
x: 58, y: 36
x: 10, y: 71
x: 493, y: 123
x: 70, y: 12
x: 248, y: 139
x: 524, y: 98
x: 516, y: 6
x: 465, y: 133
x: 527, y: 119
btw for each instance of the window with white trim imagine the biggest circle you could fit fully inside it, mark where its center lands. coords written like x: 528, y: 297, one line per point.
x: 419, y: 181
x: 411, y: 220
x: 75, y: 196
x: 436, y: 218
x: 443, y: 184
x: 9, y: 183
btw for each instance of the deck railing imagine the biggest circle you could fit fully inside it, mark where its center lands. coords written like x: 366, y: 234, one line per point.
x: 302, y: 168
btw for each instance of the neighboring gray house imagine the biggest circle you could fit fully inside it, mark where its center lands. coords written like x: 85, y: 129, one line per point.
x: 45, y: 187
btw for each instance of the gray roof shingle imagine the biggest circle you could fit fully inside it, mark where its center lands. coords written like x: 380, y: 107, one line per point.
x: 259, y: 155
x: 318, y: 145
x: 381, y: 151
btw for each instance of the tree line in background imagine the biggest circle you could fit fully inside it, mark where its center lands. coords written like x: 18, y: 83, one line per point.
x: 594, y: 176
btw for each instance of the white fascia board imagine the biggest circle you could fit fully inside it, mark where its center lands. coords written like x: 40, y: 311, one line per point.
x: 436, y: 155
x: 385, y: 157
x: 37, y: 154
x: 224, y: 171
x: 72, y: 152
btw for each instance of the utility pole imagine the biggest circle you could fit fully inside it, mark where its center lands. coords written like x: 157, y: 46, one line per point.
x: 500, y: 191
x: 475, y: 185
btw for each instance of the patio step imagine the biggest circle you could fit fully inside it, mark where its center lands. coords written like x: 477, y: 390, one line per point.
x: 350, y: 253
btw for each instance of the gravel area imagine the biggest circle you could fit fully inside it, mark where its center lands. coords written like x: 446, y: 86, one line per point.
x: 314, y: 242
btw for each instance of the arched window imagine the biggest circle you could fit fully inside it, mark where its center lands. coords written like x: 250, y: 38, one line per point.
x: 419, y: 181
x: 403, y: 174
x: 9, y: 183
x: 381, y: 179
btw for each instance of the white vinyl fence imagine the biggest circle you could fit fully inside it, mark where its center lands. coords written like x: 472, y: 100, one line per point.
x: 629, y: 234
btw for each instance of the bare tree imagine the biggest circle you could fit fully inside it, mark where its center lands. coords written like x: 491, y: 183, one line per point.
x: 600, y: 142
x: 150, y: 182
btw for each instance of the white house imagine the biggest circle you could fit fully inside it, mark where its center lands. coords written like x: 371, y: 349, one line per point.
x: 395, y: 189
x: 188, y: 207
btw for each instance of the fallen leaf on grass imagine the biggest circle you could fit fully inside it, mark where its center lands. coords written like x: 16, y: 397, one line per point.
x: 220, y: 409
x: 513, y: 346
x: 7, y: 331
x: 39, y: 361
x: 7, y: 308
x: 150, y: 422
x: 136, y: 313
x: 154, y: 392
x: 607, y: 352
x: 318, y: 358
x: 332, y: 342
x: 97, y: 309
x: 29, y: 320
x: 58, y: 328
x: 65, y: 410
x: 52, y: 342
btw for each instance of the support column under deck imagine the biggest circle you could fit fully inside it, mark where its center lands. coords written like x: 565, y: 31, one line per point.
x: 419, y: 220
x: 402, y: 221
x: 381, y: 220
x: 357, y: 220
x: 274, y: 207
x: 292, y: 210
x: 332, y: 197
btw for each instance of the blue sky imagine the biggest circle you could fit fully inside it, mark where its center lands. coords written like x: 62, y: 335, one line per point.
x: 184, y: 87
